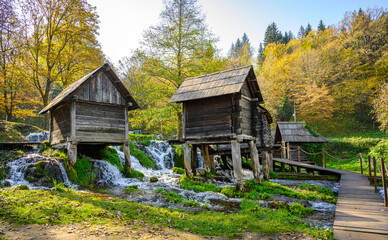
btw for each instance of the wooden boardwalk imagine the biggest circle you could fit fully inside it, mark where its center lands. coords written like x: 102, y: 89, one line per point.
x: 360, y: 212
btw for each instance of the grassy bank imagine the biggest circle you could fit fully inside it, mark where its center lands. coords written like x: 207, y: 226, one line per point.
x: 15, y: 132
x: 66, y: 206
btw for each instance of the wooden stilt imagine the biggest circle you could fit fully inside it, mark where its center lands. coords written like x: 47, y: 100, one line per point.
x: 255, y: 161
x: 194, y: 159
x: 206, y: 157
x: 266, y: 165
x: 283, y: 167
x: 72, y: 151
x: 270, y: 160
x: 211, y: 161
x: 187, y: 158
x: 298, y: 168
x: 237, y: 165
x: 127, y: 156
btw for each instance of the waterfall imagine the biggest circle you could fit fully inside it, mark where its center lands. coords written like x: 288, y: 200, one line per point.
x: 161, y: 153
x: 38, y: 137
x: 111, y: 175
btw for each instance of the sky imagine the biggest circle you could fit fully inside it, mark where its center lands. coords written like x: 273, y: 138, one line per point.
x: 122, y: 22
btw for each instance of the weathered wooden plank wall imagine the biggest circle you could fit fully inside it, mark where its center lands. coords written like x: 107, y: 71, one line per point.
x: 95, y: 121
x: 100, y: 89
x: 208, y: 117
x: 61, y: 128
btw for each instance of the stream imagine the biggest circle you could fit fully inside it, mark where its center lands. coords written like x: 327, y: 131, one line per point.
x: 162, y: 154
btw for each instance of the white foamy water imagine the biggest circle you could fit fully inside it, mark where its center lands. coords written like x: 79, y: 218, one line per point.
x: 17, y: 172
x: 38, y: 137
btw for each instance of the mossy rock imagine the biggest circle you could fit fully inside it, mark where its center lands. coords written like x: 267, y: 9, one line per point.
x: 178, y: 170
x: 154, y: 179
x: 20, y: 187
x: 43, y: 173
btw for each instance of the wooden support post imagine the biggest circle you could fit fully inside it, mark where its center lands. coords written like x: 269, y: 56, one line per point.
x: 362, y: 170
x: 283, y: 167
x: 384, y: 183
x: 298, y: 168
x: 374, y: 173
x: 237, y: 165
x: 270, y: 160
x: 255, y: 161
x: 266, y: 167
x: 206, y: 158
x: 370, y: 171
x: 187, y: 158
x: 288, y: 151
x: 72, y: 151
x: 323, y: 159
x: 283, y: 150
x: 127, y: 156
x: 211, y: 161
x: 194, y: 159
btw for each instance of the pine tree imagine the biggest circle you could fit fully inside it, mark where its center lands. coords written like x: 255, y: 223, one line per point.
x: 301, y: 32
x: 260, y: 55
x: 321, y: 26
x: 272, y: 34
x: 308, y: 29
x: 241, y: 53
x: 288, y: 36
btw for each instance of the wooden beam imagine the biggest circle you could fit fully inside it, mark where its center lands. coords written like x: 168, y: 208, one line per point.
x: 266, y: 159
x: 187, y: 158
x: 205, y: 156
x: 127, y: 156
x: 194, y: 159
x: 255, y: 161
x: 237, y: 165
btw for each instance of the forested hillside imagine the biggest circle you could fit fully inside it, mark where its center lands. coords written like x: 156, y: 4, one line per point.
x: 335, y: 76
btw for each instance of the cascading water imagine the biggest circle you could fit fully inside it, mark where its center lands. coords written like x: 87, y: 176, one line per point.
x: 161, y: 153
x: 38, y: 137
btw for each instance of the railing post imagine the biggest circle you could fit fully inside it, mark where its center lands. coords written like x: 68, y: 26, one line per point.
x: 370, y: 174
x: 384, y: 183
x: 374, y: 173
x: 323, y: 158
x: 298, y: 168
x: 362, y: 170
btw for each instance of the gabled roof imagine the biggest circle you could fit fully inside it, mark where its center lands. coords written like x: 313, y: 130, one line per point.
x: 68, y: 92
x: 295, y: 132
x: 218, y: 84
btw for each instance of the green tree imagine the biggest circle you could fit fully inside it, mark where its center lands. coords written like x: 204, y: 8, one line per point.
x: 380, y: 107
x: 60, y: 43
x: 321, y: 26
x: 301, y: 32
x: 308, y: 29
x: 241, y: 53
x: 179, y: 47
x: 272, y: 34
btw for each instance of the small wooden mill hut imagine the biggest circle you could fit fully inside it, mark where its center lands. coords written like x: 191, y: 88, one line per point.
x: 221, y: 108
x: 91, y: 110
x: 290, y: 136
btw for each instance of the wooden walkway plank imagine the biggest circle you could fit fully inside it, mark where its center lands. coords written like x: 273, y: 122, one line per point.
x: 360, y: 212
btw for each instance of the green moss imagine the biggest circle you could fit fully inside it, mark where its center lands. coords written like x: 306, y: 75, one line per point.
x: 196, y: 185
x: 231, y: 192
x: 143, y: 158
x: 178, y: 170
x: 178, y: 156
x: 133, y: 188
x: 310, y: 130
x: 299, y: 209
x: 86, y: 176
x: 136, y: 174
x: 53, y: 207
x: 154, y: 179
x: 3, y: 172
x: 109, y: 154
x: 141, y: 139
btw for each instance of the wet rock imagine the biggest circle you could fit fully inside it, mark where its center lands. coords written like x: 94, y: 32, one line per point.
x: 6, y: 183
x: 154, y: 179
x: 43, y: 173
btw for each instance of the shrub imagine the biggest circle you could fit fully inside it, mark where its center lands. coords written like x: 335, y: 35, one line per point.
x: 380, y: 150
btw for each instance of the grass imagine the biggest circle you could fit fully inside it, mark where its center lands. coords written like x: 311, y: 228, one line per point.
x: 57, y: 207
x: 15, y: 132
x: 142, y: 139
x: 173, y: 197
x: 197, y: 185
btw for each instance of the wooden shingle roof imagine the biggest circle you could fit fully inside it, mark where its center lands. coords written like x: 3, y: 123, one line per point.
x: 218, y: 84
x: 68, y: 92
x: 295, y: 132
